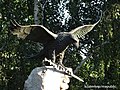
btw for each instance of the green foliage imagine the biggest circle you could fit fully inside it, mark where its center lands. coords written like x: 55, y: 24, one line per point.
x: 103, y: 43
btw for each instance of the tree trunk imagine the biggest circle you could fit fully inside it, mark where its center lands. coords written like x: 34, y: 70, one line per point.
x: 36, y: 9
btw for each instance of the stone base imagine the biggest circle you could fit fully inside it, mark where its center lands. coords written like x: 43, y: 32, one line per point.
x: 46, y: 78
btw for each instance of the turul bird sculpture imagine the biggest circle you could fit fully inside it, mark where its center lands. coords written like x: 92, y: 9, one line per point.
x: 55, y: 45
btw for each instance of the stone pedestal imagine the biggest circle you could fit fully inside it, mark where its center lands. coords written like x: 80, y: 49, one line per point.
x: 46, y: 78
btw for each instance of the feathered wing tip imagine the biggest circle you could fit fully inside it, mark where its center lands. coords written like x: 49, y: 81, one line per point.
x: 14, y: 23
x: 36, y: 33
x: 16, y: 29
x: 99, y: 19
x: 81, y: 31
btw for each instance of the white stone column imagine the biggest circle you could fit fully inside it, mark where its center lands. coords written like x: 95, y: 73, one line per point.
x: 46, y: 78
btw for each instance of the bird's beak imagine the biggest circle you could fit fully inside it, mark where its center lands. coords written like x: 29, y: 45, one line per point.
x: 76, y: 44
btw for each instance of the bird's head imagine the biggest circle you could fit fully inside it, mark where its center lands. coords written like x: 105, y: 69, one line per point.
x: 67, y: 38
x: 75, y: 40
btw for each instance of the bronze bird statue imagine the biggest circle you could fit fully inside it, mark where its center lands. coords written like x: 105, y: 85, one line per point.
x: 54, y: 44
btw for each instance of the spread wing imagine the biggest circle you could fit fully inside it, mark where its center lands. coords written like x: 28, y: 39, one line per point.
x: 83, y: 30
x: 37, y: 33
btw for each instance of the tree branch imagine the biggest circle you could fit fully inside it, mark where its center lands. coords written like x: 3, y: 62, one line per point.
x: 2, y: 48
x: 80, y: 65
x: 84, y: 60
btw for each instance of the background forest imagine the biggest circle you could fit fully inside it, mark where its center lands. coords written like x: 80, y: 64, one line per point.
x: 96, y: 60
